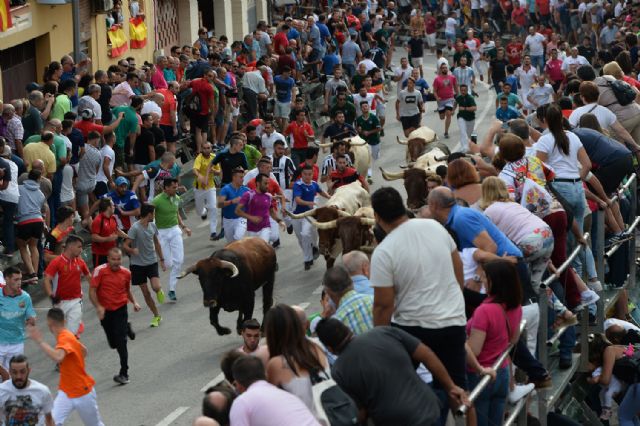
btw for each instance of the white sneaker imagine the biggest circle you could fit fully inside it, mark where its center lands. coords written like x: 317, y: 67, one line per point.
x: 588, y: 297
x: 520, y: 391
x: 595, y: 285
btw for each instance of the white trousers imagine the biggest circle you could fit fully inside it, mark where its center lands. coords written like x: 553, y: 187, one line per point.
x: 86, y: 405
x: 531, y: 314
x: 274, y: 231
x: 173, y: 251
x: 466, y: 128
x: 72, y: 313
x: 234, y: 229
x: 264, y: 233
x: 206, y: 199
x: 307, y: 237
x: 9, y: 351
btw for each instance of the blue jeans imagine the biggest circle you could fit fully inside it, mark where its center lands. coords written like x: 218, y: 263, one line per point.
x: 538, y: 62
x: 630, y: 407
x: 568, y: 339
x: 54, y: 199
x: 8, y: 228
x: 491, y: 401
x: 19, y: 162
x: 574, y: 194
x: 450, y: 36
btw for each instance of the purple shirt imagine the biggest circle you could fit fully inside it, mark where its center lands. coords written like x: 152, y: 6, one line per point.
x: 158, y: 81
x: 257, y: 204
x: 266, y: 405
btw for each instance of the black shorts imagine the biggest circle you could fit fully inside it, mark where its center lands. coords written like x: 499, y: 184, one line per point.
x: 611, y: 175
x: 28, y: 231
x: 412, y: 121
x: 141, y: 274
x: 168, y: 133
x: 100, y: 189
x: 98, y: 259
x: 199, y: 121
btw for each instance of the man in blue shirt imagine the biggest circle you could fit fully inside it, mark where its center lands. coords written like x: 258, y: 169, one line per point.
x: 233, y: 225
x: 505, y: 112
x: 126, y: 202
x: 16, y: 310
x: 330, y: 60
x: 315, y: 56
x: 357, y: 263
x: 304, y: 194
x: 285, y: 88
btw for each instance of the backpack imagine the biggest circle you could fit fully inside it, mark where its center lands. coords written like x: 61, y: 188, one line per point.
x: 192, y: 104
x: 533, y: 196
x: 333, y: 406
x: 623, y: 92
x: 627, y: 368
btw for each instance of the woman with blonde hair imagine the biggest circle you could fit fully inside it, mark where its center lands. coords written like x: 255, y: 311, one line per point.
x: 628, y: 115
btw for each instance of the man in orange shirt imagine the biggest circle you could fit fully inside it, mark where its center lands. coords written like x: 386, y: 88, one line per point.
x: 168, y: 121
x: 110, y: 292
x: 104, y: 232
x: 302, y: 134
x: 76, y: 391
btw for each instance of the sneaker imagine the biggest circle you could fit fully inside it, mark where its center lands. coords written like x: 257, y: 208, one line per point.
x: 155, y: 322
x: 160, y: 296
x: 588, y: 297
x: 595, y: 285
x: 307, y: 265
x: 520, y: 391
x: 130, y: 332
x: 213, y: 236
x: 121, y: 379
x: 275, y: 244
x: 203, y: 216
x: 369, y: 180
x: 446, y: 135
x: 290, y: 229
x: 172, y: 296
x: 220, y: 235
x: 316, y: 253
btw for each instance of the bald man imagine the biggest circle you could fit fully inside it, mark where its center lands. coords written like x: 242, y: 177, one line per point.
x: 358, y: 265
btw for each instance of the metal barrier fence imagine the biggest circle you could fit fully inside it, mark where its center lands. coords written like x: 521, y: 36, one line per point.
x: 547, y: 399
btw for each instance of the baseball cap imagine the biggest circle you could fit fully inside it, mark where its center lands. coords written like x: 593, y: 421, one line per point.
x: 122, y: 181
x: 32, y: 86
x: 87, y: 114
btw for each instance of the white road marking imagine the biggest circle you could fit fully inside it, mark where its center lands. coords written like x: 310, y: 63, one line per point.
x: 173, y: 416
x: 304, y: 305
x: 317, y: 290
x: 215, y: 381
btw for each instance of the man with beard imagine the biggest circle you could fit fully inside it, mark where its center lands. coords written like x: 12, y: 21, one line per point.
x: 22, y: 400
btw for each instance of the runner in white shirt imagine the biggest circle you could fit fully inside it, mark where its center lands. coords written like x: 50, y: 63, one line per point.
x: 573, y: 62
x: 269, y: 136
x: 526, y: 74
x: 535, y: 43
x: 402, y: 73
x: 541, y: 93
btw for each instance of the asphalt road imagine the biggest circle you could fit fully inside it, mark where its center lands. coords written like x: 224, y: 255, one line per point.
x: 171, y: 365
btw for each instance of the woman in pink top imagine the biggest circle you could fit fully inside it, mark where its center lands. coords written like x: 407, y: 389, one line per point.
x: 494, y: 325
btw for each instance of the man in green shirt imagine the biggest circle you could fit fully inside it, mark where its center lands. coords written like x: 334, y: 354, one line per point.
x: 513, y: 100
x: 127, y: 131
x: 343, y: 104
x: 466, y: 116
x: 252, y: 153
x: 368, y: 127
x: 461, y: 50
x: 62, y: 104
x: 170, y: 227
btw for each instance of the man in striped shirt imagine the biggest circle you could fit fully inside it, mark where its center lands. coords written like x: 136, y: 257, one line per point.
x: 355, y: 310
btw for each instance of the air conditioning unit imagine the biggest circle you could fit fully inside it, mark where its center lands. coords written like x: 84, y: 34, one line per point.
x: 101, y: 6
x: 53, y: 2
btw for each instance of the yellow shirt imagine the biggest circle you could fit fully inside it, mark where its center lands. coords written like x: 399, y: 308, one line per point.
x: 39, y: 151
x: 201, y: 164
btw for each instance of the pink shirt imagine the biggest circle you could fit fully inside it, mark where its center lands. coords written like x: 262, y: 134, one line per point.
x: 257, y: 204
x: 554, y: 69
x: 490, y: 318
x: 263, y: 404
x: 121, y: 95
x: 443, y: 85
x: 158, y: 81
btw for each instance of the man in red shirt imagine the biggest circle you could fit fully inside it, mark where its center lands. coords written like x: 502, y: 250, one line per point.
x: 280, y: 40
x: 302, y: 133
x: 110, y: 292
x: 519, y: 18
x: 168, y: 120
x: 430, y: 27
x: 544, y: 12
x: 87, y: 125
x: 344, y: 175
x: 62, y: 282
x: 553, y: 70
x: 514, y: 51
x: 104, y: 232
x: 203, y: 88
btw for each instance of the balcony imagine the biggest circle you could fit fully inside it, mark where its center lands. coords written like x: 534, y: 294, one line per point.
x: 20, y: 17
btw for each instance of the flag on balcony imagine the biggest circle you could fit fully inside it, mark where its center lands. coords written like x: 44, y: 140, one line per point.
x: 137, y: 32
x: 5, y: 15
x: 118, y: 41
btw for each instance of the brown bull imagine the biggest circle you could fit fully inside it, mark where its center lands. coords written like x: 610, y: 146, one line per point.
x: 230, y: 277
x: 417, y: 142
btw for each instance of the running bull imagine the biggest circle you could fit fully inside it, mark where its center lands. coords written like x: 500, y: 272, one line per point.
x: 417, y: 142
x: 230, y: 277
x: 340, y: 230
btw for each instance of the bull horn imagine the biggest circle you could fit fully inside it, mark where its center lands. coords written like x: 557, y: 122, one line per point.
x: 224, y: 264
x: 410, y: 164
x: 392, y: 176
x: 323, y: 145
x: 342, y: 213
x: 403, y: 141
x: 357, y: 143
x: 187, y: 271
x: 367, y: 221
x: 300, y: 215
x: 322, y: 225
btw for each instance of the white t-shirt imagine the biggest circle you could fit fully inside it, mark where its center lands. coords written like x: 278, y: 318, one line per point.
x: 450, y: 25
x: 542, y: 95
x: 404, y: 74
x: 25, y: 406
x: 268, y: 140
x: 427, y: 293
x: 605, y: 116
x: 535, y: 44
x: 368, y: 64
x: 105, y: 152
x: 624, y: 324
x: 11, y: 194
x: 576, y: 62
x: 66, y: 190
x: 369, y: 98
x: 150, y: 107
x: 565, y: 166
x: 526, y: 78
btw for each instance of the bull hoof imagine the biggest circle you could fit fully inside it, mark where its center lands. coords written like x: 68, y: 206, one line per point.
x: 223, y: 331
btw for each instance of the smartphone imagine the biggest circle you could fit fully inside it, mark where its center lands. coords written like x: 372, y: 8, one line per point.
x: 474, y: 138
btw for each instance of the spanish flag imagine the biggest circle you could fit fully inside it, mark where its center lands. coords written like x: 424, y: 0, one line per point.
x: 5, y: 15
x: 137, y: 32
x: 118, y: 41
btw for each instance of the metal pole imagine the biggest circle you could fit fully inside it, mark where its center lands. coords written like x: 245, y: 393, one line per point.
x: 75, y: 9
x: 632, y: 242
x: 599, y: 259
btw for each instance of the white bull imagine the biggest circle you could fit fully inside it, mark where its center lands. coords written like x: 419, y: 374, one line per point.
x: 360, y: 153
